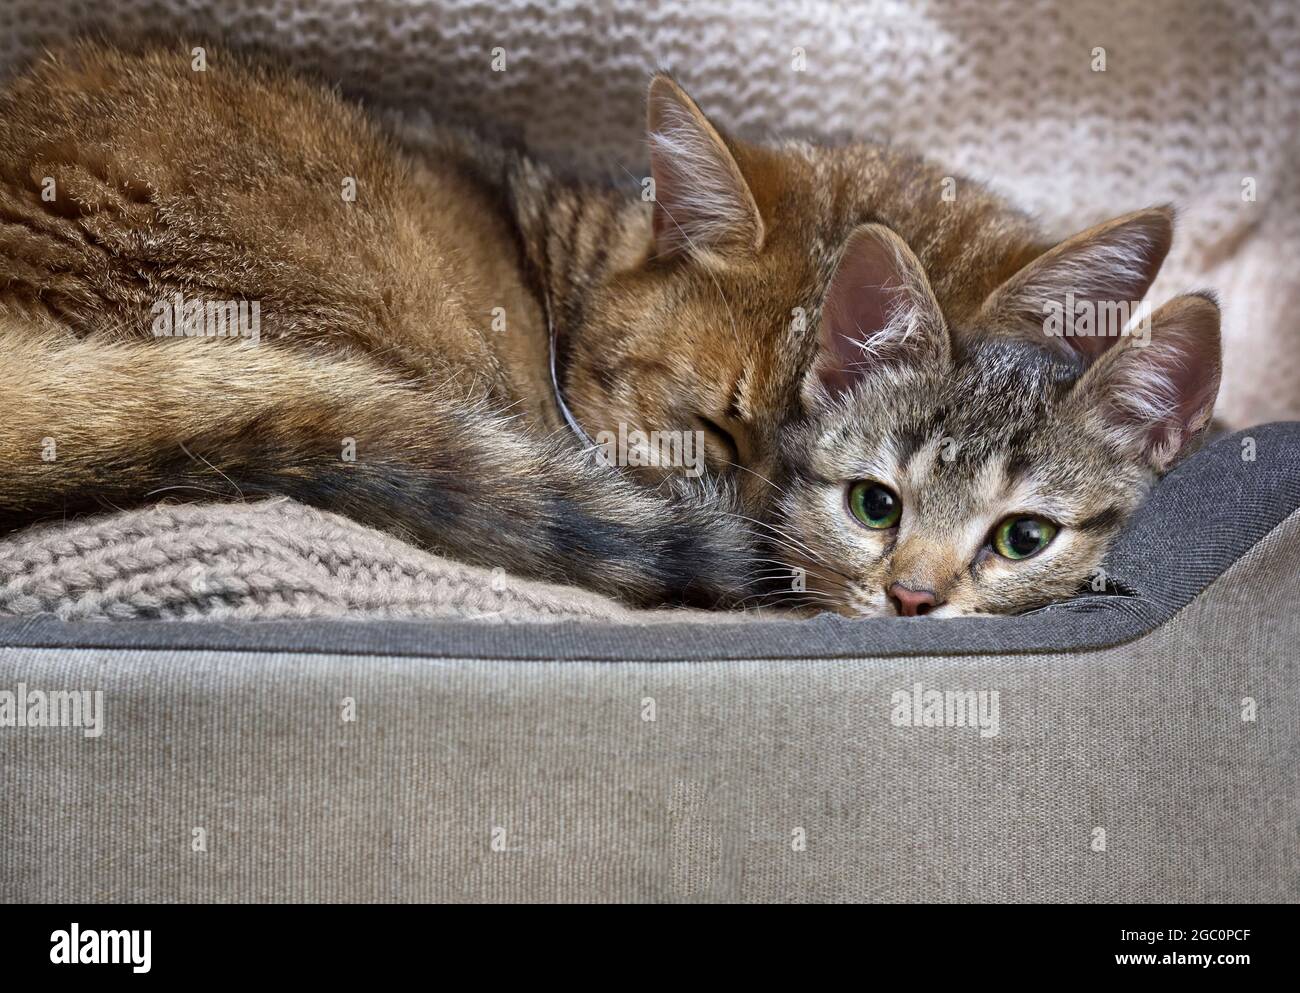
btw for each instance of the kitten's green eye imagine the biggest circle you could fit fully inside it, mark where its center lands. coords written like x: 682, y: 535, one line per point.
x: 874, y: 505
x: 1021, y: 537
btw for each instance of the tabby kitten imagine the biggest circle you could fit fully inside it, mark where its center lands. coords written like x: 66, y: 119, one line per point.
x: 443, y: 330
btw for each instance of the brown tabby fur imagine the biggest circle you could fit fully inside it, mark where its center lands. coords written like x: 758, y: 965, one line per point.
x: 381, y: 322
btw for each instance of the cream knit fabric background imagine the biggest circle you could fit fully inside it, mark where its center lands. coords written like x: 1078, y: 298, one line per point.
x: 266, y: 560
x: 274, y: 560
x: 1198, y: 97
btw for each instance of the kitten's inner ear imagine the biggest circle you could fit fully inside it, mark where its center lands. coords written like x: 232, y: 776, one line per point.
x: 702, y: 201
x: 1157, y: 393
x: 879, y: 310
x: 1105, y: 267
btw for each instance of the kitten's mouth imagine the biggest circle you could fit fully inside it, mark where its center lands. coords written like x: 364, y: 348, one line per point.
x: 801, y: 582
x: 862, y: 603
x: 943, y: 612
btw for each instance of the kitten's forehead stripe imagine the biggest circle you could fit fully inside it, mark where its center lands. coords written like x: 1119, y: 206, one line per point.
x: 920, y: 462
x: 992, y: 480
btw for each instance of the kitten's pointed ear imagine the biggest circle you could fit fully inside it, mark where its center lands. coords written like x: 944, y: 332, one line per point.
x: 702, y: 201
x: 1157, y: 391
x: 1110, y: 264
x: 879, y: 310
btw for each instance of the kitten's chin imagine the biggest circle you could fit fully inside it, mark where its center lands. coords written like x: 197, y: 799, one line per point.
x: 947, y: 611
x: 865, y: 607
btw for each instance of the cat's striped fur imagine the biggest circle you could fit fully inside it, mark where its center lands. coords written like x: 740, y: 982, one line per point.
x: 415, y: 322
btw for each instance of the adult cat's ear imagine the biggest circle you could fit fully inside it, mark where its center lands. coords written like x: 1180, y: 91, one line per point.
x: 1106, y: 268
x: 702, y: 202
x: 879, y: 310
x: 1157, y: 390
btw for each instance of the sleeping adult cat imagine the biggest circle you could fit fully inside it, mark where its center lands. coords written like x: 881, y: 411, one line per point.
x: 858, y: 339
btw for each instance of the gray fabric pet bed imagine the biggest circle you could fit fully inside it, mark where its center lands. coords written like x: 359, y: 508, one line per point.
x: 1141, y: 744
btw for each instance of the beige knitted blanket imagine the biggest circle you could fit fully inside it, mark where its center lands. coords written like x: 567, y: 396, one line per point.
x: 1078, y: 110
x: 265, y: 560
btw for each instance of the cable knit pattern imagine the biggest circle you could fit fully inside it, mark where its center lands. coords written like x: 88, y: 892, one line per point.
x: 267, y: 560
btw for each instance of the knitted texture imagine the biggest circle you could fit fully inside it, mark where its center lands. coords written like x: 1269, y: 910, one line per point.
x: 267, y: 560
x: 1197, y: 105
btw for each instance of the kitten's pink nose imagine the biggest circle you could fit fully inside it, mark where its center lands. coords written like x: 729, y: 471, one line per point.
x: 911, y: 603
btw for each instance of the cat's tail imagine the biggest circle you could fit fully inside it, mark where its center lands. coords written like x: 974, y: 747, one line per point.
x: 89, y: 424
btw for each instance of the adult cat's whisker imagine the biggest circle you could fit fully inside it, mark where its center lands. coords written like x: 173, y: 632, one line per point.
x: 187, y: 486
x: 753, y: 472
x: 200, y: 458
